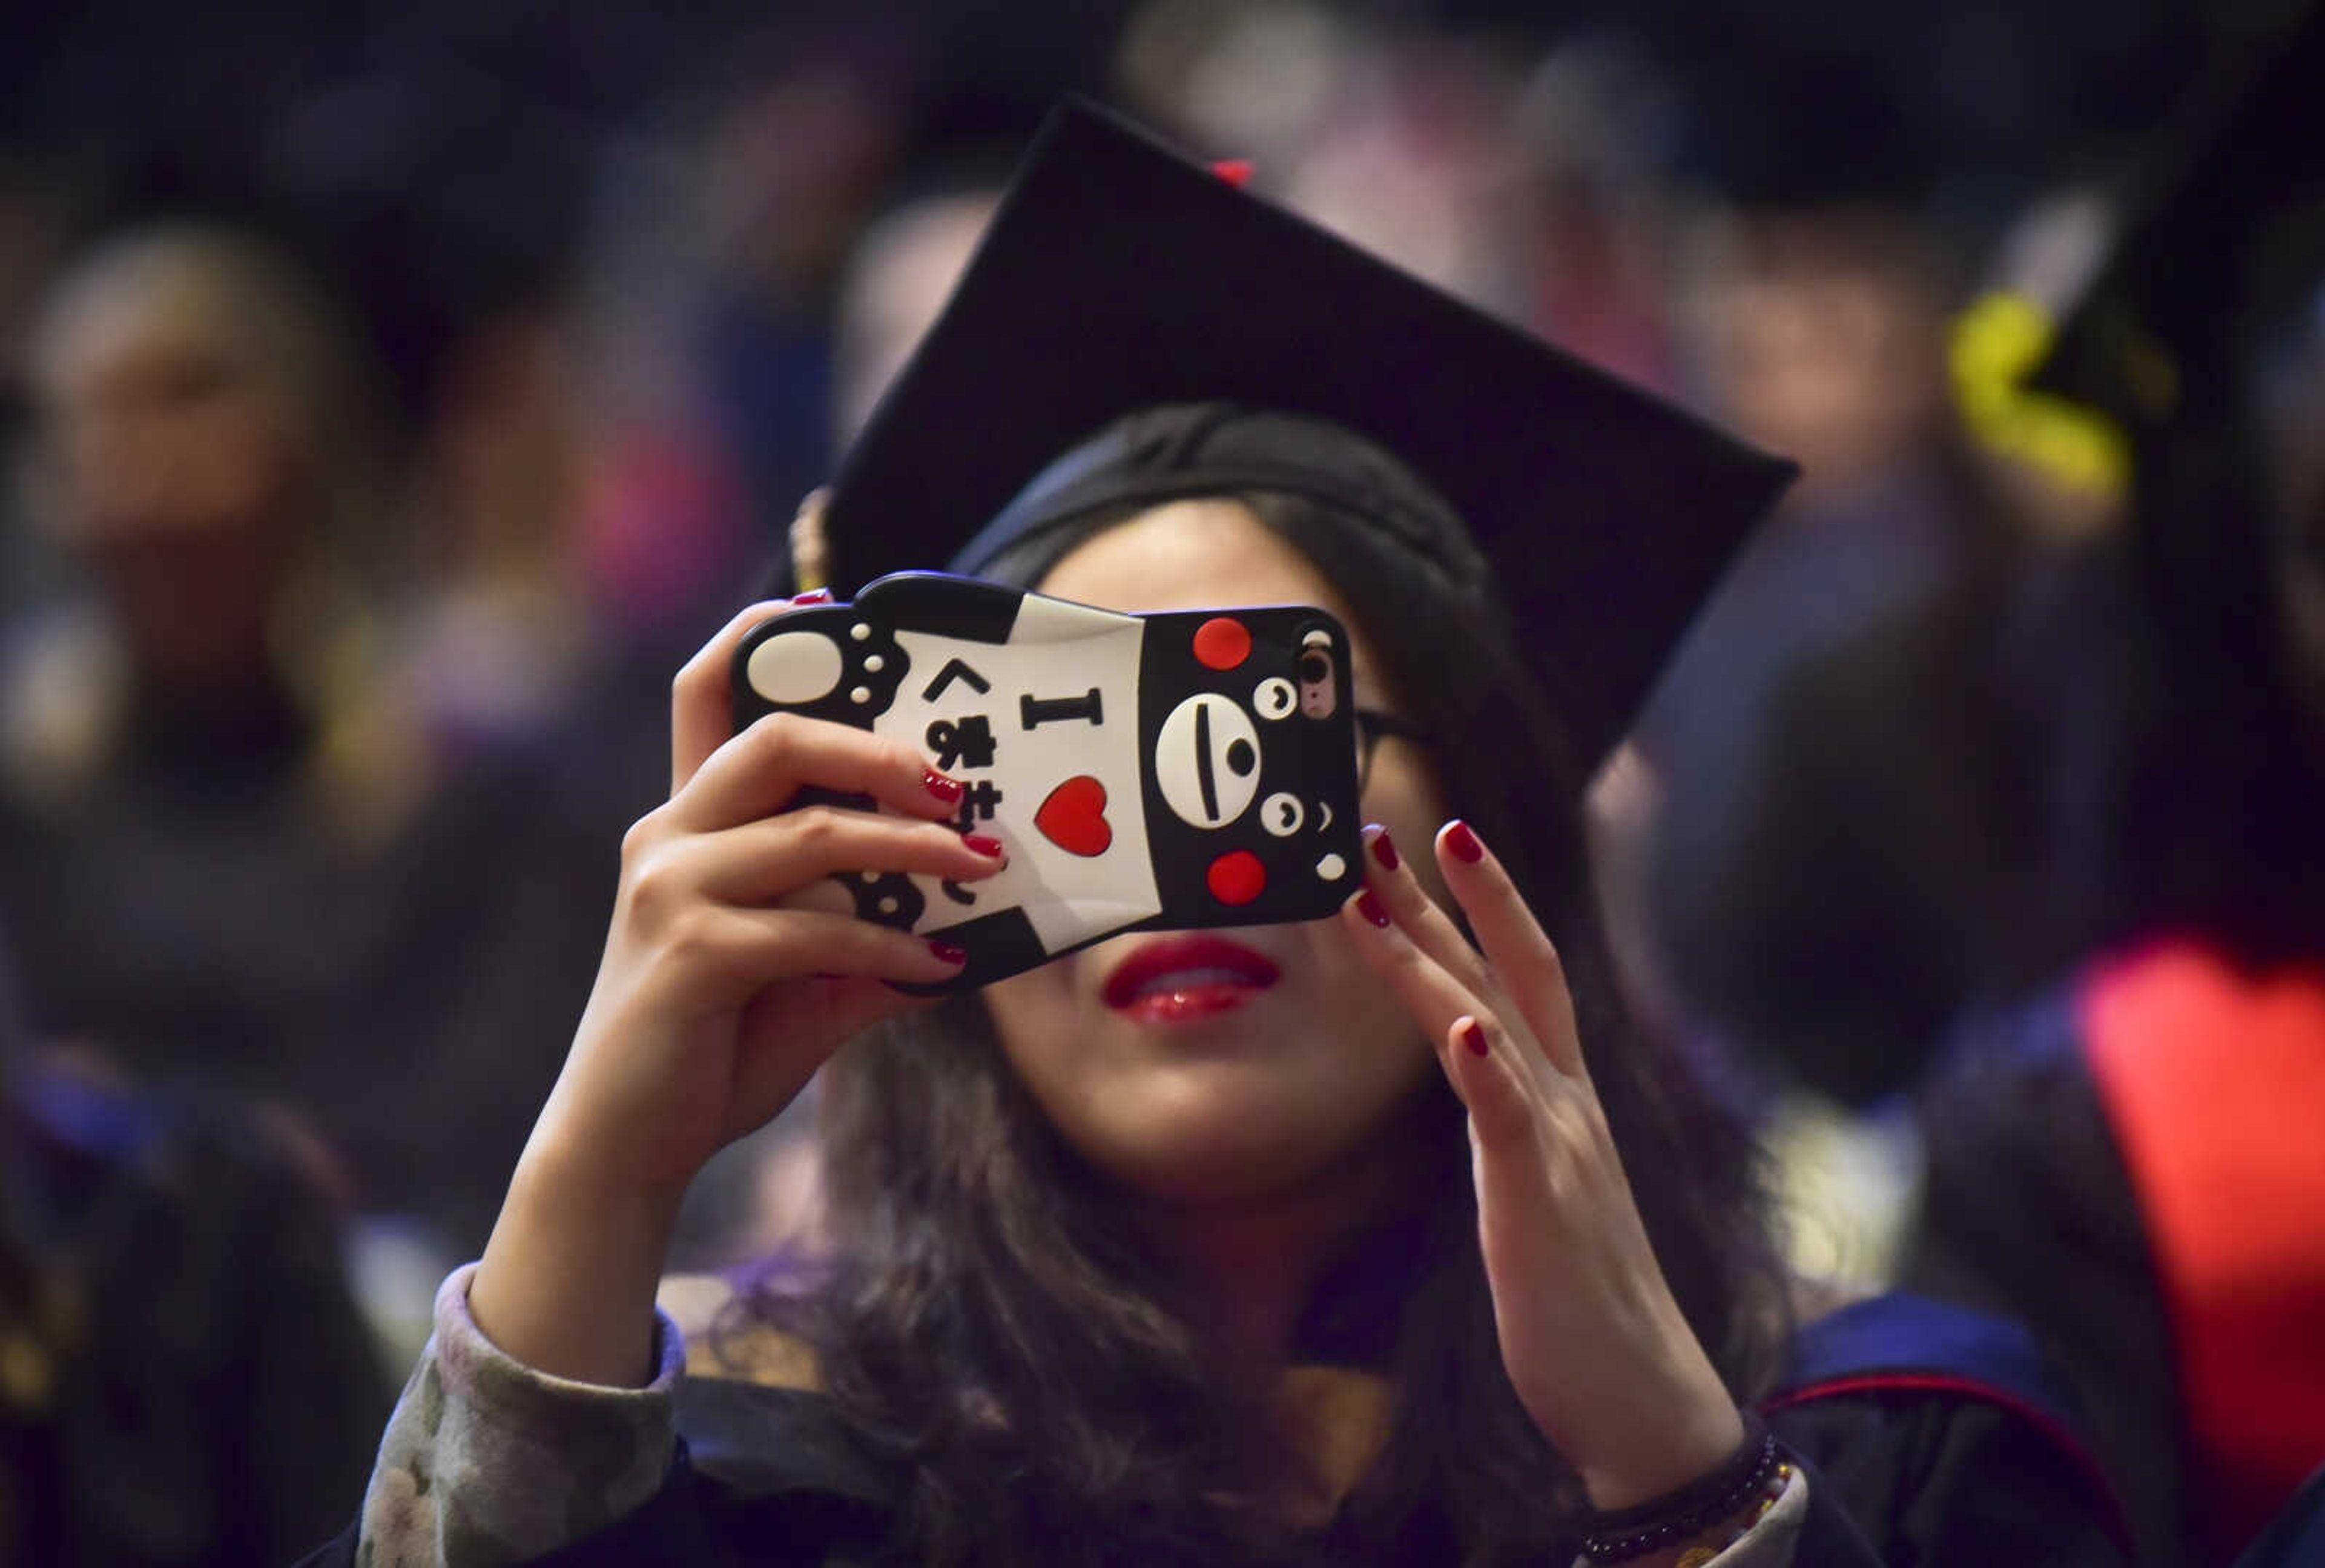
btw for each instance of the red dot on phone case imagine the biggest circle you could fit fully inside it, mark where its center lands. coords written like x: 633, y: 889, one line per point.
x: 1236, y: 877
x: 1222, y: 643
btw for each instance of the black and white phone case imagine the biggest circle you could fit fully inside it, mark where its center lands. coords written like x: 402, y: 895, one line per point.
x: 1164, y: 772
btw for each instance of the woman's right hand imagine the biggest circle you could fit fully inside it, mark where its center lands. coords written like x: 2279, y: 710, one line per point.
x: 729, y: 975
x: 732, y: 969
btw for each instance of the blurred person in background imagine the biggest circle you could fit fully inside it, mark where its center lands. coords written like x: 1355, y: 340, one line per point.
x: 229, y: 848
x: 209, y: 463
x: 449, y: 211
x: 185, y: 1380
x: 1808, y: 841
x: 1848, y: 841
x: 1827, y: 865
x: 2128, y: 1159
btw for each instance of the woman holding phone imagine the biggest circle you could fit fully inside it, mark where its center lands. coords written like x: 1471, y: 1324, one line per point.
x: 1378, y: 1239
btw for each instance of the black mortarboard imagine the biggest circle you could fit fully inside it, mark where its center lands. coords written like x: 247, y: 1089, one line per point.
x: 2225, y: 239
x: 1117, y: 277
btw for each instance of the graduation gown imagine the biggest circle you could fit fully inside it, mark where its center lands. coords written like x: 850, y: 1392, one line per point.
x: 185, y: 1381
x: 1925, y: 1434
x: 2130, y: 1164
x: 198, y: 903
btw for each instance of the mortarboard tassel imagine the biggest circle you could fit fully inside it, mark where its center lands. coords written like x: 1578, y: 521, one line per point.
x: 810, y: 547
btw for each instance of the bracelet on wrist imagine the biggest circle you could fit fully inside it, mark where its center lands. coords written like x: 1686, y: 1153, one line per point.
x: 1755, y: 1475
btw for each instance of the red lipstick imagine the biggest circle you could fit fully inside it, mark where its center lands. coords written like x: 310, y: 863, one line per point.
x: 1179, y: 979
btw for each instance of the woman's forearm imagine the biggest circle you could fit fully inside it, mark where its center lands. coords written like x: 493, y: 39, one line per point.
x: 567, y: 1283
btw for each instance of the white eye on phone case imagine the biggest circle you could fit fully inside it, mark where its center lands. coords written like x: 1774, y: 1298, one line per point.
x: 1274, y: 698
x: 1206, y: 760
x: 1281, y: 813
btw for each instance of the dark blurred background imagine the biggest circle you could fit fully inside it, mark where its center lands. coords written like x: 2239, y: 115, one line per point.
x: 393, y: 395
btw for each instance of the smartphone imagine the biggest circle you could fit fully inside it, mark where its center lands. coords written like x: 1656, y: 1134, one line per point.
x: 1144, y: 772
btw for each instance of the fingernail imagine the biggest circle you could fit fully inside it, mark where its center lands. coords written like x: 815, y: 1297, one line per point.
x: 948, y: 790
x: 813, y: 596
x: 1464, y: 843
x: 984, y: 844
x: 1384, y: 851
x: 947, y: 953
x: 1368, y: 905
x: 1473, y: 1036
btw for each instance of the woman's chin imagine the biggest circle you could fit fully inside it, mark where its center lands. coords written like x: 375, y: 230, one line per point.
x: 1218, y: 1135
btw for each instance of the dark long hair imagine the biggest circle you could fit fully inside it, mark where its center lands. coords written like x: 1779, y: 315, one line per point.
x: 981, y: 1318
x: 2181, y: 771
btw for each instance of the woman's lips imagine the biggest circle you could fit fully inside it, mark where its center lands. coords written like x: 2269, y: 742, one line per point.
x: 1175, y: 978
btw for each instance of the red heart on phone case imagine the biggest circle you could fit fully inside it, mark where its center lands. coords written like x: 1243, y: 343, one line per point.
x: 1074, y: 817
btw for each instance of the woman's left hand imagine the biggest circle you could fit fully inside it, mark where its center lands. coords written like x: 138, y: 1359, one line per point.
x: 1590, y: 1335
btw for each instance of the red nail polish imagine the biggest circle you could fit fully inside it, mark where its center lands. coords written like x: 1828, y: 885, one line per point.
x: 1368, y: 905
x: 813, y: 596
x: 947, y: 952
x: 1464, y: 843
x: 1473, y: 1036
x: 984, y: 844
x: 1384, y: 851
x: 948, y: 790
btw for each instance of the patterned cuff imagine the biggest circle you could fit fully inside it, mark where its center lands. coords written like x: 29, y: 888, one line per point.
x: 487, y: 1461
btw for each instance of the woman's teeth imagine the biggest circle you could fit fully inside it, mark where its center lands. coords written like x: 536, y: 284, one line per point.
x: 1192, y: 980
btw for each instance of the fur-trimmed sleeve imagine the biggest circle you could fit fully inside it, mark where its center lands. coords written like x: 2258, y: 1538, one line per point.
x: 487, y: 1461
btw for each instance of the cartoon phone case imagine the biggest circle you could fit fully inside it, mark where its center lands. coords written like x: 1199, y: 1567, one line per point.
x: 1163, y: 771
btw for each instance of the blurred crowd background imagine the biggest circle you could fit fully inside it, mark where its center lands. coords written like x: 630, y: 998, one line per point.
x: 393, y: 396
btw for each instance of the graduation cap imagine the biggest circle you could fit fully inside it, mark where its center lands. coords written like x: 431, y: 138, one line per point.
x: 1118, y: 277
x: 2224, y: 241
